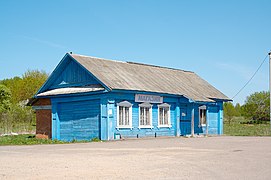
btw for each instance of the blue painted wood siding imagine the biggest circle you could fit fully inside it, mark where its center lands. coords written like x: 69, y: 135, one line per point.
x: 73, y: 75
x: 79, y: 120
x: 214, y: 119
x: 146, y: 132
x: 86, y: 117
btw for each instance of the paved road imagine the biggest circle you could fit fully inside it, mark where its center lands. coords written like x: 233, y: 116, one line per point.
x: 161, y: 158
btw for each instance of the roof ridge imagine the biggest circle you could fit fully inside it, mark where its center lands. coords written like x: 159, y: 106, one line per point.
x: 99, y: 58
x: 137, y: 63
x: 164, y: 67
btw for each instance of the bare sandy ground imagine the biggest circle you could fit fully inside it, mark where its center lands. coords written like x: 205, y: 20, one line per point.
x: 160, y: 158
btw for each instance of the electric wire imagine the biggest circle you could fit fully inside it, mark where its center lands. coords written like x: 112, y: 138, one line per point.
x: 251, y: 77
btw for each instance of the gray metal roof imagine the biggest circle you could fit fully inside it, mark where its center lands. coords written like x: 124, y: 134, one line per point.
x: 119, y: 75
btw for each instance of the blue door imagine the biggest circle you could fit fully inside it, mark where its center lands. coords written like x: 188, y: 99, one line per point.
x: 212, y: 119
x: 79, y: 120
x: 185, y: 121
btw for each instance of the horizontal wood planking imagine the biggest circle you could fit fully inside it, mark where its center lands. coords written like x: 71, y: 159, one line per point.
x: 145, y: 132
x: 79, y: 120
x: 213, y: 118
x: 107, y: 127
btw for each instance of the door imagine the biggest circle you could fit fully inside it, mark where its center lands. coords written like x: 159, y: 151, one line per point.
x: 212, y: 119
x: 79, y: 120
x: 185, y: 121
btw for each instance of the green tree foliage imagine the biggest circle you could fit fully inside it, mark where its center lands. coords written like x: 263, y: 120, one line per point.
x: 237, y: 108
x: 5, y: 97
x: 25, y: 87
x: 13, y: 92
x: 256, y: 106
x: 229, y: 111
x: 15, y: 86
x: 32, y: 81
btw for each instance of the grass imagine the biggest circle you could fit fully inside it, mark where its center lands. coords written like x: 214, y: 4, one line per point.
x: 18, y: 127
x: 242, y: 127
x: 238, y: 127
x: 29, y: 139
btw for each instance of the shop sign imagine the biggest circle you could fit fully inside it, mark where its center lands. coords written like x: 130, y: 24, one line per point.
x: 148, y: 98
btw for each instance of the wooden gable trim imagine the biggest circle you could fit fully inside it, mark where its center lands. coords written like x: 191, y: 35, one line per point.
x: 64, y: 61
x: 98, y: 80
x: 50, y: 79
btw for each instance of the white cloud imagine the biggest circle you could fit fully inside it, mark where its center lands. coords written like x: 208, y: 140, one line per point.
x: 48, y: 43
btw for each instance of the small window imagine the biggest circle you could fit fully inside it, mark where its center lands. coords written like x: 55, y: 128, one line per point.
x: 164, y: 115
x: 202, y: 115
x: 124, y: 115
x: 145, y: 115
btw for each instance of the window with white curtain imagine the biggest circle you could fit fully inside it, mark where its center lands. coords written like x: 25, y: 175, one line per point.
x: 145, y: 115
x: 124, y: 115
x: 164, y: 115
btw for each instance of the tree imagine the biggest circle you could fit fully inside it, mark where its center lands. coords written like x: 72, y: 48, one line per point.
x: 5, y: 96
x: 237, y: 110
x: 14, y: 84
x: 32, y: 80
x: 14, y: 115
x: 229, y: 111
x: 25, y: 87
x: 256, y: 106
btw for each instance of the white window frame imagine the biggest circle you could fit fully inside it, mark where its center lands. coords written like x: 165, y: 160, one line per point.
x: 203, y: 107
x: 145, y: 105
x: 164, y: 105
x: 124, y: 104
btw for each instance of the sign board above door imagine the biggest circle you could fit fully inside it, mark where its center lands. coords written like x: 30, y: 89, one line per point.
x: 148, y: 98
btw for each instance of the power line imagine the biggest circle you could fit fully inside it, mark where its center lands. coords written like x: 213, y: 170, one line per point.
x: 251, y: 77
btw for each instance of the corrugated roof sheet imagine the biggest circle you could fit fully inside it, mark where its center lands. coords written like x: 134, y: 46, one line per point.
x: 141, y: 77
x: 70, y: 90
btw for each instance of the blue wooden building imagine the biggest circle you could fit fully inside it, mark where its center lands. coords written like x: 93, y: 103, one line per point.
x: 90, y: 97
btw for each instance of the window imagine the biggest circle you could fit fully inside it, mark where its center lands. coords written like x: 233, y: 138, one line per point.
x: 145, y: 115
x: 124, y: 115
x: 202, y: 115
x: 164, y: 115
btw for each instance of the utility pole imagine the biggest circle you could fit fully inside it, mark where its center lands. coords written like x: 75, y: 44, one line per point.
x: 270, y: 85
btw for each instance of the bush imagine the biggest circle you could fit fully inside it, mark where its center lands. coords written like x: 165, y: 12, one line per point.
x: 256, y: 106
x: 18, y: 119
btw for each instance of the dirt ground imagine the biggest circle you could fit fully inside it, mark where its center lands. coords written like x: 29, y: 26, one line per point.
x: 160, y: 158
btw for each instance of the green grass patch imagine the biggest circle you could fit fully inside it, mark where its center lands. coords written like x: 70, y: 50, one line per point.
x: 18, y: 127
x: 29, y: 139
x: 242, y: 127
x: 95, y: 139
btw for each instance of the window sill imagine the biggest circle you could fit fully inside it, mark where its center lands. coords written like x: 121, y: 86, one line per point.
x: 145, y: 127
x: 124, y: 127
x: 164, y: 126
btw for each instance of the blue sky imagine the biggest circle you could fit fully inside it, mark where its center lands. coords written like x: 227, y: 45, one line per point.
x: 222, y: 41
